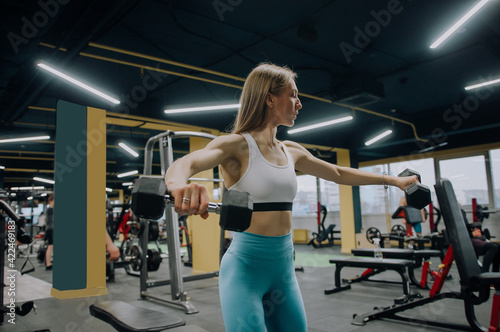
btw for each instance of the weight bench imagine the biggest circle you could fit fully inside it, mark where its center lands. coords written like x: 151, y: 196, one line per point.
x: 377, y: 265
x: 416, y: 256
x: 125, y: 317
x: 474, y: 285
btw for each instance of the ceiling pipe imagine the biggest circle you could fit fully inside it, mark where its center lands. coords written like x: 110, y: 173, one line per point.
x: 217, y: 73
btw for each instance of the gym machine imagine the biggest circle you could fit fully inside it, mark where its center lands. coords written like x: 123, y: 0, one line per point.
x: 474, y: 285
x: 179, y: 297
x: 9, y: 233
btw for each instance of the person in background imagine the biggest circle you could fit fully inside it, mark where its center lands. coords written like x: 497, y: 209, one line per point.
x: 416, y: 226
x: 49, y: 232
x: 111, y: 248
x: 489, y: 250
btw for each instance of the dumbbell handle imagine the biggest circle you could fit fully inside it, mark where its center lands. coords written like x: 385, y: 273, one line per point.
x: 212, y: 207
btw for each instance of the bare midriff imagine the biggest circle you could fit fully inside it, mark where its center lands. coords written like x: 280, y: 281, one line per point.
x: 271, y: 223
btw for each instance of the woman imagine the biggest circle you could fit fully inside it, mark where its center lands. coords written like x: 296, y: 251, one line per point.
x: 257, y: 284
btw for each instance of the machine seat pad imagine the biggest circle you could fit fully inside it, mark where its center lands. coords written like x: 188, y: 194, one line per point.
x: 369, y: 262
x: 127, y: 317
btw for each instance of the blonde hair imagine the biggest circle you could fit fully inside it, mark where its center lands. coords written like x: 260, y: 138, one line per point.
x: 265, y: 78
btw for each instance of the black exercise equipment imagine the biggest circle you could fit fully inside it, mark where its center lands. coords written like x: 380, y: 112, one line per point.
x: 183, y: 232
x: 475, y: 286
x: 148, y: 201
x: 372, y: 233
x: 125, y: 317
x: 398, y: 230
x: 397, y: 234
x: 5, y: 247
x: 324, y: 234
x: 418, y: 257
x: 379, y: 265
x: 417, y: 194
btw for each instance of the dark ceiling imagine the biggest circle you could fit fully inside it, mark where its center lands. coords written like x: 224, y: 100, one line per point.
x: 370, y: 59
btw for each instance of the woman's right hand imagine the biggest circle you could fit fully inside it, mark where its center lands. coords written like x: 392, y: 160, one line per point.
x: 191, y: 199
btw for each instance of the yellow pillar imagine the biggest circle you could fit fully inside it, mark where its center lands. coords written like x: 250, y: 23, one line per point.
x: 346, y: 207
x: 205, y: 232
x: 79, y: 241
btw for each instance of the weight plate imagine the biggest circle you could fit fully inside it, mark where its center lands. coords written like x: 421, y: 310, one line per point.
x: 372, y: 233
x: 398, y: 230
x: 154, y: 260
x: 136, y: 257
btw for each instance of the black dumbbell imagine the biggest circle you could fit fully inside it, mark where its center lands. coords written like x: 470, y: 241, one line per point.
x: 417, y: 194
x: 149, y: 199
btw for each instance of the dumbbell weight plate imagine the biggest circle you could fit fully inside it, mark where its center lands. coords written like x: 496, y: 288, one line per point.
x: 154, y: 230
x: 154, y: 260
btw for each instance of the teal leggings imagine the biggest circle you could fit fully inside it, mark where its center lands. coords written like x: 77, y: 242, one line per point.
x: 257, y: 285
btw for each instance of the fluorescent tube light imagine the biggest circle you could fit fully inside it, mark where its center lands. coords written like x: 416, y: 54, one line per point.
x: 319, y: 125
x: 203, y: 108
x: 78, y: 83
x: 433, y: 147
x: 459, y: 23
x: 127, y: 174
x: 29, y: 198
x: 44, y: 180
x: 28, y: 188
x: 479, y: 85
x: 109, y: 190
x: 23, y: 139
x: 127, y: 184
x: 128, y: 149
x: 2, y: 167
x: 378, y: 137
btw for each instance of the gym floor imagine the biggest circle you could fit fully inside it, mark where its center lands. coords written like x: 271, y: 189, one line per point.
x: 324, y: 312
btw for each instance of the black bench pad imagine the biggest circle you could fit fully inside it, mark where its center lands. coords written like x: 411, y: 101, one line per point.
x: 369, y: 262
x: 126, y: 317
x: 397, y: 253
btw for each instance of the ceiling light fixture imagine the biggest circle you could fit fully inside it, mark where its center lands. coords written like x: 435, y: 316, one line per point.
x: 127, y: 174
x: 378, y: 137
x: 433, y: 147
x: 109, y: 190
x: 127, y: 184
x: 203, y: 108
x: 2, y: 167
x: 44, y: 180
x: 77, y: 83
x: 479, y: 85
x: 128, y: 149
x: 23, y: 139
x: 28, y: 188
x: 319, y: 125
x: 459, y: 23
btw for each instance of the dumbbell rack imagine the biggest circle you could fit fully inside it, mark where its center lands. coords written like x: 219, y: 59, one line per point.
x: 179, y: 297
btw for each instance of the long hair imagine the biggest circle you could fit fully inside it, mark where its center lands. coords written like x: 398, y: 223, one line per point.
x: 264, y: 78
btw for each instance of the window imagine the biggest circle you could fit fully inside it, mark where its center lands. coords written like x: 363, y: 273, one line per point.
x: 373, y: 198
x: 495, y: 172
x: 330, y: 196
x: 468, y: 176
x: 306, y: 200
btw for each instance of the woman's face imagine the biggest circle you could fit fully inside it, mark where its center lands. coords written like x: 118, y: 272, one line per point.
x: 286, y: 105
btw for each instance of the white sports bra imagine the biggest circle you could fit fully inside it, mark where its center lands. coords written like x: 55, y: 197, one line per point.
x: 272, y: 187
